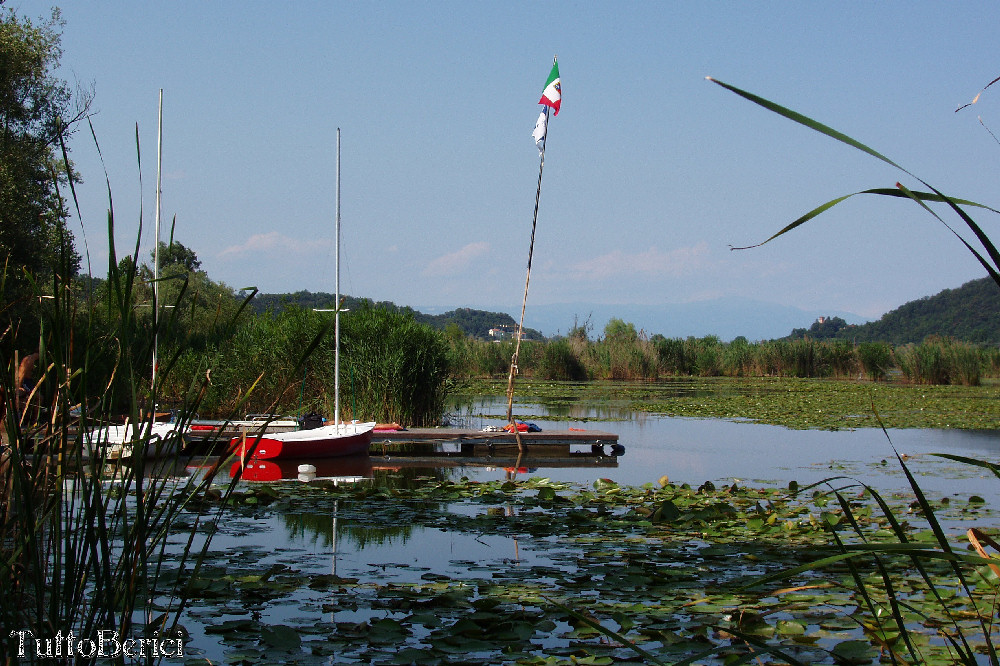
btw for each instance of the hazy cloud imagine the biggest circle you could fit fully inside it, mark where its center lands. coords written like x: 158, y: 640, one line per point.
x: 269, y: 242
x: 456, y: 262
x: 652, y: 262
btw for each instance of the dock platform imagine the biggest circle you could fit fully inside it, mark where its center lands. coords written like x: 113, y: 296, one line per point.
x: 466, y: 441
x: 476, y: 438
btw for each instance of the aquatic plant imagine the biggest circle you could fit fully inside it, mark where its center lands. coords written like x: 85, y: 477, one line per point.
x: 893, y: 604
x: 398, y: 368
x: 86, y: 561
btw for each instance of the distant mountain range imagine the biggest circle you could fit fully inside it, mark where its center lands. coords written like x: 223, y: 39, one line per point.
x: 970, y: 312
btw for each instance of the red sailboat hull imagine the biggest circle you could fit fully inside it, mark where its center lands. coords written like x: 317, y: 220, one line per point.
x: 331, y: 441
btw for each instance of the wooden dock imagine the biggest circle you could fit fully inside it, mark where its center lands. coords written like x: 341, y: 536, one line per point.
x: 476, y: 438
x: 458, y: 440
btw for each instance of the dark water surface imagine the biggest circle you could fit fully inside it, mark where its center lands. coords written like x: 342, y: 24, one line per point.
x: 315, y: 543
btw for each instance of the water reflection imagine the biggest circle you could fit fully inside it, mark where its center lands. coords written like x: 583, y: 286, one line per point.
x: 330, y: 532
x: 687, y: 450
x: 691, y: 450
x: 342, y: 469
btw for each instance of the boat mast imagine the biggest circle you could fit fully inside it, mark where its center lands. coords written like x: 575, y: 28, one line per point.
x: 336, y: 315
x: 156, y: 247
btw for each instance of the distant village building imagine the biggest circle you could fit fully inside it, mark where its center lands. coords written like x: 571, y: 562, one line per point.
x: 504, y: 332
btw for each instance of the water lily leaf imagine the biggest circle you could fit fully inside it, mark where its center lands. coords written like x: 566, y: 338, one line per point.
x: 414, y: 656
x: 281, y: 636
x: 854, y: 652
x: 546, y: 494
x: 790, y: 628
x: 387, y: 630
x: 231, y: 627
x: 667, y: 512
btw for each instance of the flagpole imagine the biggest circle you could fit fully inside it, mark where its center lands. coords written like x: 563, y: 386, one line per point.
x: 156, y: 245
x: 524, y: 303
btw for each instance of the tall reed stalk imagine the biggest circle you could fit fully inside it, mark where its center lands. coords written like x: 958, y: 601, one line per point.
x: 84, y: 549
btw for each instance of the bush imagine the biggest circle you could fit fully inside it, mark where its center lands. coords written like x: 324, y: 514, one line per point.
x: 398, y: 368
x: 876, y: 359
x: 560, y: 362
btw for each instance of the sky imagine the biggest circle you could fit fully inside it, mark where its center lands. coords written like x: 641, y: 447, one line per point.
x: 651, y: 171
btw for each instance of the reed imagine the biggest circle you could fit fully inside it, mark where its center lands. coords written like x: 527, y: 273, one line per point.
x: 560, y: 362
x: 398, y: 368
x: 891, y: 605
x: 934, y: 361
x: 941, y: 361
x: 876, y: 358
x: 84, y: 541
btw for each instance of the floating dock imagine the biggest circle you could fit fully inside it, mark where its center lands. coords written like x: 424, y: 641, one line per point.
x: 484, y: 438
x: 458, y: 440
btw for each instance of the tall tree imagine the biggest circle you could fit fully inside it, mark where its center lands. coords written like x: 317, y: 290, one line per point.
x: 177, y: 254
x: 37, y: 113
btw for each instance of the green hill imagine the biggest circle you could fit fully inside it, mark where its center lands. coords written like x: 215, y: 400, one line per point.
x: 476, y: 323
x: 970, y: 313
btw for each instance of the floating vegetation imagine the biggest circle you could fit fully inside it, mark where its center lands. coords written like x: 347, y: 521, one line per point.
x: 666, y: 570
x: 794, y: 403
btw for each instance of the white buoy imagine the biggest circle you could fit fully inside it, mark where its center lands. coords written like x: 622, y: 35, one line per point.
x: 307, y: 469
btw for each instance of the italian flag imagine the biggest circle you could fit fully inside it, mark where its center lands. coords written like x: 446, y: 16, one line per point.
x: 552, y: 95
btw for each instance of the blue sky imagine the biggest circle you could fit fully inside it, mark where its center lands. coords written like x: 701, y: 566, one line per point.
x: 651, y: 171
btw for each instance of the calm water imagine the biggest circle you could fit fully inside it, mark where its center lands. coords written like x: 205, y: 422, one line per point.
x: 683, y: 449
x: 689, y: 450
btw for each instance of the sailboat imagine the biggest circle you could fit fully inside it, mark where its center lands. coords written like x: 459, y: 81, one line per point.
x: 329, y: 441
x: 119, y: 441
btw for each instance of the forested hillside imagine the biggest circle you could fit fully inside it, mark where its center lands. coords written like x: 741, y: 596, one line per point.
x: 476, y: 323
x: 970, y: 313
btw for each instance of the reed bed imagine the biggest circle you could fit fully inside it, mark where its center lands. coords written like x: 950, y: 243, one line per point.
x: 937, y: 360
x: 392, y: 368
x: 86, y: 559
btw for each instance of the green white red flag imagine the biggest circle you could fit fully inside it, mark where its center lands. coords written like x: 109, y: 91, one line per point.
x: 551, y: 98
x: 552, y: 94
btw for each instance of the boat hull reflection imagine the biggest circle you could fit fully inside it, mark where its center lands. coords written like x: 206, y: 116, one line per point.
x: 343, y: 468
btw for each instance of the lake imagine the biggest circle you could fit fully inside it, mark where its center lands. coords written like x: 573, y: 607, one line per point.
x: 393, y: 561
x: 692, y: 450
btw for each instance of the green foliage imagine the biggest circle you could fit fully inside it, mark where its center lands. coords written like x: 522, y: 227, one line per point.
x: 823, y: 328
x: 36, y: 115
x: 620, y: 332
x: 475, y: 323
x: 392, y: 368
x: 176, y: 254
x: 560, y: 362
x: 399, y: 367
x: 876, y: 358
x: 970, y: 313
